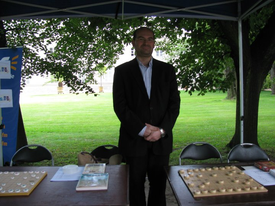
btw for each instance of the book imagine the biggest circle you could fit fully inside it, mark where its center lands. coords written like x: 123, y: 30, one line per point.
x: 93, y: 181
x: 94, y: 168
x: 265, y: 165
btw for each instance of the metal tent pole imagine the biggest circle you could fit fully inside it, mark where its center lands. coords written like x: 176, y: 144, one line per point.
x: 241, y: 80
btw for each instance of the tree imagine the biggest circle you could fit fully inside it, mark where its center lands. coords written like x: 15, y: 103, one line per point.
x: 259, y: 55
x: 211, y: 43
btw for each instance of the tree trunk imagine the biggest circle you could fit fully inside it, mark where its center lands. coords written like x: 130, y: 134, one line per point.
x: 231, y: 92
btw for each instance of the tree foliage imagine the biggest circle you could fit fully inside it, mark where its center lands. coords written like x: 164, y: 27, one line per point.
x: 82, y: 46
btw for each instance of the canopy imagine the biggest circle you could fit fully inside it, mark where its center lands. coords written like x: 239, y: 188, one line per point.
x: 123, y: 9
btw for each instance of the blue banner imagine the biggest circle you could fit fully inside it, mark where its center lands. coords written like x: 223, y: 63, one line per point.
x: 10, y: 76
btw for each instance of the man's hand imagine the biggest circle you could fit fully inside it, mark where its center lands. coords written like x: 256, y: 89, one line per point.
x: 152, y: 133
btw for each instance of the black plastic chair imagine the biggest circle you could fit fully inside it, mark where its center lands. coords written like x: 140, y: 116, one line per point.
x: 30, y: 154
x: 108, y: 154
x: 199, y: 151
x: 246, y: 152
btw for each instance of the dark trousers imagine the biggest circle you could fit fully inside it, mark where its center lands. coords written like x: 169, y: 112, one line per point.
x: 153, y: 166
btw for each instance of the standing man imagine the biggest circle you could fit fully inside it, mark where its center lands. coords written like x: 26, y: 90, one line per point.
x: 146, y: 101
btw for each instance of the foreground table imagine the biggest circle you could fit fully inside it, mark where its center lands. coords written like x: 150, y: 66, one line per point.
x: 64, y: 193
x: 184, y: 197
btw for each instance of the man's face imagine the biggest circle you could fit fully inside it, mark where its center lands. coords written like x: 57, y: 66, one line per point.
x: 144, y: 43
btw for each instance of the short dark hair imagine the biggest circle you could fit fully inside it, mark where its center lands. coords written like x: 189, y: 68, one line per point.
x: 135, y: 32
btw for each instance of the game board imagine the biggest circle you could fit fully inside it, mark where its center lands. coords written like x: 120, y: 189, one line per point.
x: 20, y: 183
x: 216, y: 181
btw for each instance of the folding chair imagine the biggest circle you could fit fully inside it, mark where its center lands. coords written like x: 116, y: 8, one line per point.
x: 31, y: 153
x: 246, y: 152
x: 199, y: 151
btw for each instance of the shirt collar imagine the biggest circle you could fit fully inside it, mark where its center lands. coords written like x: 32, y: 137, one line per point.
x: 150, y: 63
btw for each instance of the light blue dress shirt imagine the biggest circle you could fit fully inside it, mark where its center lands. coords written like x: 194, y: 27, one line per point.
x: 147, y: 77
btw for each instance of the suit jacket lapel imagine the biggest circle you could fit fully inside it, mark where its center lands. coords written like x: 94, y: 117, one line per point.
x: 155, y: 78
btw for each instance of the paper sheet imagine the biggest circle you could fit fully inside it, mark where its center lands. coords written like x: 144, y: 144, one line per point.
x: 260, y: 176
x: 60, y: 176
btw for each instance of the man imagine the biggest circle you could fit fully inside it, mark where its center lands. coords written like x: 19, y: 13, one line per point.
x: 146, y: 101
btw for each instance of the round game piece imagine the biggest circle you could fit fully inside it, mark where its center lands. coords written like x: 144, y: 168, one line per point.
x: 191, y: 174
x: 261, y: 187
x: 222, y: 168
x: 207, y: 182
x: 221, y: 181
x: 25, y: 190
x: 254, y: 188
x: 190, y: 184
x: 238, y: 189
x: 204, y: 191
x: 199, y: 175
x: 10, y: 190
x: 197, y: 192
x: 247, y: 188
x: 186, y: 177
x: 17, y: 190
x: 222, y: 190
x: 213, y: 191
x: 202, y: 169
x: 208, y: 169
x: 202, y: 186
x: 214, y: 174
x: 229, y: 190
x: 236, y: 180
x: 181, y: 171
x: 215, y: 168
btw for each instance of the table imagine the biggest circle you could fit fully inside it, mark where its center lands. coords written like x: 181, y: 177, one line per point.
x: 64, y: 193
x: 184, y: 197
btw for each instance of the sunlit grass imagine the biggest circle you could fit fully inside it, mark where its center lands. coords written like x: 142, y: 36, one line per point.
x: 68, y: 124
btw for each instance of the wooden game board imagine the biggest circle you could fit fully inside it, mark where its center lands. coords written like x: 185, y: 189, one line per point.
x: 217, y: 181
x: 20, y: 183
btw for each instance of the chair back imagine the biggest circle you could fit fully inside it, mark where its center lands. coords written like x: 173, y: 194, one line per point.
x: 199, y: 151
x: 246, y: 152
x: 108, y: 154
x: 31, y: 153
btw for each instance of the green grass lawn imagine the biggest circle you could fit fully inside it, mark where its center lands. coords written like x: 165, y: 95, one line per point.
x: 68, y: 124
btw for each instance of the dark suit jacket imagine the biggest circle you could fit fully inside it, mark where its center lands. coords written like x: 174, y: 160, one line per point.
x: 133, y: 107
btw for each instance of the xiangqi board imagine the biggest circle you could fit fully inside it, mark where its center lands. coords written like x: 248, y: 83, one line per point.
x: 20, y: 183
x: 216, y: 181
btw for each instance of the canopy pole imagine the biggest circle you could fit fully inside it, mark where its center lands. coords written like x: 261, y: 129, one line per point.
x: 122, y: 12
x: 241, y: 83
